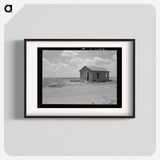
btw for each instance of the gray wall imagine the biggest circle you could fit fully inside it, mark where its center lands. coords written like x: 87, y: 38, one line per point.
x: 81, y: 136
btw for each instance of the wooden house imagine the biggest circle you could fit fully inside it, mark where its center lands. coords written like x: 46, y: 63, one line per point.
x: 93, y: 74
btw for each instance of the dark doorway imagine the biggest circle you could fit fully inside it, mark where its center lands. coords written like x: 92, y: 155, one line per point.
x: 97, y: 74
x: 87, y: 76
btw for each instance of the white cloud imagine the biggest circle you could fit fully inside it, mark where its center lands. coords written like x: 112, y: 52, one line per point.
x: 112, y: 67
x: 69, y: 53
x: 95, y: 61
x: 48, y: 66
x: 61, y: 66
x: 114, y: 57
x: 75, y: 61
x: 45, y: 60
x: 72, y: 63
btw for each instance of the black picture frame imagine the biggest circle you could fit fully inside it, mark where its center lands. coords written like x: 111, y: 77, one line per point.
x: 119, y: 80
x: 39, y: 72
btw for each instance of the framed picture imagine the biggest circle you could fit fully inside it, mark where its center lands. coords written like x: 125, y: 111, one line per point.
x: 79, y: 78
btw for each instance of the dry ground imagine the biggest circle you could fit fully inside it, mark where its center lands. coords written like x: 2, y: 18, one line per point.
x: 80, y: 93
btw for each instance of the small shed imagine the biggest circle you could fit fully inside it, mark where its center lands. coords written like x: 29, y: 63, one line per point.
x: 93, y: 74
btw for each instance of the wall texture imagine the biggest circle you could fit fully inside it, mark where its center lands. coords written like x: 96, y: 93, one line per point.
x: 81, y: 136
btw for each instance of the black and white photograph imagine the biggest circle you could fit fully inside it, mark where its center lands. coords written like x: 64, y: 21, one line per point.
x: 79, y: 76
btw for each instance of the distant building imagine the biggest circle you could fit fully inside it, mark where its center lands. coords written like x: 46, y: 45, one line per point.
x: 92, y: 74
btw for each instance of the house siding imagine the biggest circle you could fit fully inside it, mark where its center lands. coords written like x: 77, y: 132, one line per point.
x: 88, y: 75
x: 83, y: 74
x: 102, y: 76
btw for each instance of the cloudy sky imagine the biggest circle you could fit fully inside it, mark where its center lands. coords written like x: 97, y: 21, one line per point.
x: 67, y: 63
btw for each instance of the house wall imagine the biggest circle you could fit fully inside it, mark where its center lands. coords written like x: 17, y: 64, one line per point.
x: 92, y: 75
x: 83, y: 73
x: 102, y: 76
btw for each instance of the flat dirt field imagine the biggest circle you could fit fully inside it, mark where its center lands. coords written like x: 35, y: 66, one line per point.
x: 71, y: 91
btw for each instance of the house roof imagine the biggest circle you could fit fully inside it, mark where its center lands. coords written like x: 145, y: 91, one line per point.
x: 95, y: 68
